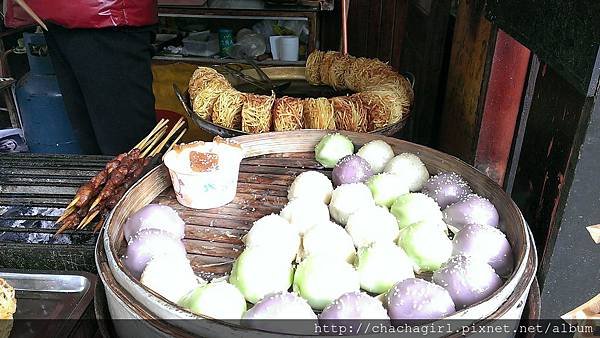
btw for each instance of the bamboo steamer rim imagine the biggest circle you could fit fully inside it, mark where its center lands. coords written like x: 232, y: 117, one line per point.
x: 303, y: 141
x: 123, y: 296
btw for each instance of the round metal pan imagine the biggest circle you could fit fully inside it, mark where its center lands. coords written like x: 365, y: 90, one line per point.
x: 298, y: 88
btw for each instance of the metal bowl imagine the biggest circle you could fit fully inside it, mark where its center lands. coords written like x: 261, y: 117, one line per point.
x: 299, y: 88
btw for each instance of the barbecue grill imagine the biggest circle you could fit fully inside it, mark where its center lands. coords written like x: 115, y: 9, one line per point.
x: 34, y: 191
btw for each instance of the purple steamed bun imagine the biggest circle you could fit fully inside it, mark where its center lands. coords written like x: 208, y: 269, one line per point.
x: 467, y: 280
x: 471, y: 209
x: 154, y: 216
x: 279, y: 312
x: 446, y: 188
x: 415, y: 298
x: 351, y: 169
x: 147, y: 244
x: 354, y: 305
x: 486, y: 243
x: 350, y: 311
x: 280, y: 305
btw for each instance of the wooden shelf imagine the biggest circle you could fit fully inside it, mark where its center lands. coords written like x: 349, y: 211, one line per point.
x: 242, y: 14
x: 303, y: 5
x: 309, y: 12
x: 210, y: 60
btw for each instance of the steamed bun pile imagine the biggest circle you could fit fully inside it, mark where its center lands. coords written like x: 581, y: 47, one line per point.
x: 354, y: 246
x: 155, y: 252
x: 380, y: 221
x: 157, y: 257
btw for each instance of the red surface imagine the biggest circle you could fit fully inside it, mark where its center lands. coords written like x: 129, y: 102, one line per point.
x: 87, y: 13
x: 15, y: 16
x: 501, y: 109
x: 172, y: 116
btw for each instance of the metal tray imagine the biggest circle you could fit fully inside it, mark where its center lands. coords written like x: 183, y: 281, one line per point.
x: 49, y: 304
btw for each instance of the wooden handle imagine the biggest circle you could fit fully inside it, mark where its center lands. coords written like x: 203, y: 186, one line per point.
x: 31, y: 13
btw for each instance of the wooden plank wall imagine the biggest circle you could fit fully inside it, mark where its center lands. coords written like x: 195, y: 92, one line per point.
x: 411, y: 39
x: 425, y: 54
x: 555, y: 163
x: 555, y: 187
x: 571, y: 259
x: 557, y: 110
x: 376, y: 29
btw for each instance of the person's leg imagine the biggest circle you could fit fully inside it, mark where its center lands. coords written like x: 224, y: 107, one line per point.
x: 113, y: 69
x: 72, y: 96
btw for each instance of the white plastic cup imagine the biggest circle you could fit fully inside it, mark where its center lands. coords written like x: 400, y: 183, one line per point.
x: 287, y: 48
x: 207, y: 189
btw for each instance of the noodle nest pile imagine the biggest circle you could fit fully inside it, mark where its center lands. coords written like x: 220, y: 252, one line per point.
x: 381, y: 97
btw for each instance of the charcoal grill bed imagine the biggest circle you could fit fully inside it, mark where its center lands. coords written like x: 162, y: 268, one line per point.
x: 34, y: 191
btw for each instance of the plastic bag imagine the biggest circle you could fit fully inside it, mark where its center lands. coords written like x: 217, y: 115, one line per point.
x: 265, y: 28
x: 296, y: 27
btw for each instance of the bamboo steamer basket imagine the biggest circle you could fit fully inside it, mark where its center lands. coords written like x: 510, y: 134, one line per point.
x: 297, y: 77
x: 122, y: 305
x: 213, y: 237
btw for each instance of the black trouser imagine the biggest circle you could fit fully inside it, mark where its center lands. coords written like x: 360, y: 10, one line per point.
x: 106, y: 82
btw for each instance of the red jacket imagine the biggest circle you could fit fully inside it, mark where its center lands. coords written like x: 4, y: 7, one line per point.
x: 85, y: 13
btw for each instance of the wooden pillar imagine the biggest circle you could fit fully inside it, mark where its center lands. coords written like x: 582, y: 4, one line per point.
x: 555, y: 162
x: 470, y: 60
x: 570, y: 265
x: 424, y: 55
x: 502, y: 101
x: 549, y: 135
x: 487, y: 74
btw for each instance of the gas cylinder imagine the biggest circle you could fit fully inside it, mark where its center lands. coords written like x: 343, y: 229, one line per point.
x: 45, y: 122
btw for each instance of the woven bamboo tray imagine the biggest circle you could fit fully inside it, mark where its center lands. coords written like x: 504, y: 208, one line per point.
x: 213, y: 237
x: 299, y: 88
